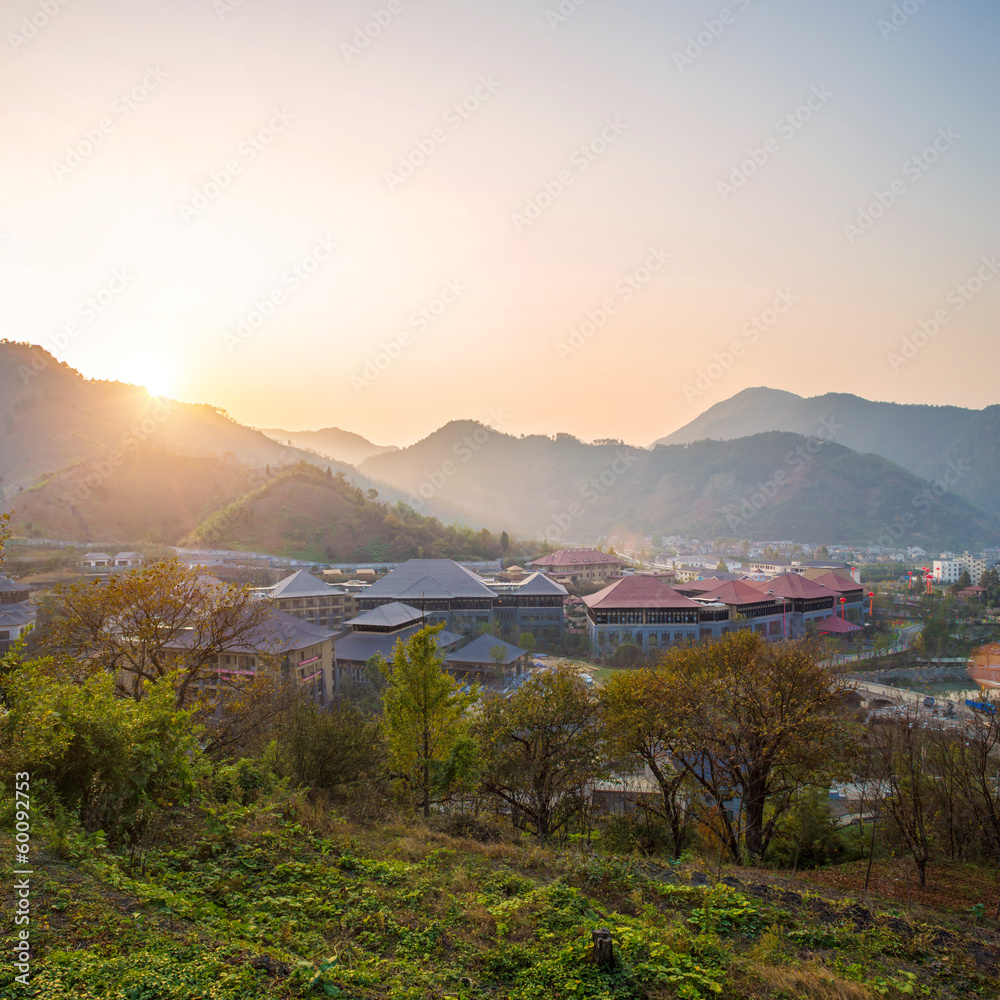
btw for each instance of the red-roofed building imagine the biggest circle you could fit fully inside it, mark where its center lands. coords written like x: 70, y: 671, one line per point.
x: 578, y: 564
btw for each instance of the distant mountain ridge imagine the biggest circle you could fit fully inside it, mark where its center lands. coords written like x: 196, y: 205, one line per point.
x: 930, y: 441
x: 332, y: 442
x: 764, y: 486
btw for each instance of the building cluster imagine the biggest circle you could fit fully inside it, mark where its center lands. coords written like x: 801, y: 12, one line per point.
x: 949, y: 568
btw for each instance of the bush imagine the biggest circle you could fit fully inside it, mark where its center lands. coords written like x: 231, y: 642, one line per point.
x: 626, y: 833
x: 112, y: 762
x: 473, y: 828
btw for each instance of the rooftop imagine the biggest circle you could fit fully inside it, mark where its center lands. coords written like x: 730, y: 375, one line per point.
x: 480, y: 651
x: 568, y: 557
x: 638, y: 592
x: 302, y: 584
x: 394, y: 615
x: 429, y: 579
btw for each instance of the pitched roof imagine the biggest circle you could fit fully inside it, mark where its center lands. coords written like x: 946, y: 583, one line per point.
x: 792, y: 586
x: 480, y: 651
x: 359, y: 646
x: 565, y: 557
x: 639, y: 592
x: 836, y: 581
x: 737, y: 592
x: 280, y: 633
x: 392, y: 615
x: 302, y: 584
x: 837, y: 625
x: 539, y: 584
x: 429, y: 579
x: 9, y: 587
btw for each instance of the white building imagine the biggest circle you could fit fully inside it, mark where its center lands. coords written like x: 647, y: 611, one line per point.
x: 948, y: 571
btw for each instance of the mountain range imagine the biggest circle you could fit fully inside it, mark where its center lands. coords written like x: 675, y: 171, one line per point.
x: 958, y: 446
x: 83, y: 459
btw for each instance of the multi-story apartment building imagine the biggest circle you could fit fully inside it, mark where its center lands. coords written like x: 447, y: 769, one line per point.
x: 312, y: 600
x: 586, y: 565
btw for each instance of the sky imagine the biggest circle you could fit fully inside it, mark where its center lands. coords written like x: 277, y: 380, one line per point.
x: 591, y: 216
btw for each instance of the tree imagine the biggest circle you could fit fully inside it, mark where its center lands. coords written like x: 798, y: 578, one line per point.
x: 504, y: 542
x: 822, y: 552
x: 751, y: 722
x: 722, y: 567
x: 168, y: 619
x: 425, y: 713
x: 160, y: 619
x: 541, y: 747
x: 527, y: 640
x: 637, y: 729
x: 4, y: 535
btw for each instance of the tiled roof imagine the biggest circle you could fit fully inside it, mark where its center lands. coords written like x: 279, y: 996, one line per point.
x: 539, y: 584
x: 736, y: 593
x: 836, y: 581
x: 639, y: 592
x: 392, y: 615
x: 281, y: 633
x: 480, y: 651
x: 429, y: 579
x: 302, y: 584
x: 837, y: 625
x: 359, y: 646
x: 792, y: 586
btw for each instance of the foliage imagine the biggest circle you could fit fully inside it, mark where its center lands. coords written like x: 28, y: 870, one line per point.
x: 541, y: 746
x: 424, y: 714
x: 112, y: 762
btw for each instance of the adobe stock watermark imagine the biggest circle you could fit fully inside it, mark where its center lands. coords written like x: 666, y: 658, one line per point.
x: 121, y: 109
x: 958, y: 298
x: 711, y: 30
x: 912, y: 170
x: 740, y: 514
x: 21, y: 892
x: 562, y: 12
x: 898, y: 17
x: 921, y: 502
x: 247, y: 151
x: 291, y: 281
x: 623, y: 289
x: 752, y: 330
x: 419, y: 322
x: 366, y: 33
x: 580, y: 160
x: 427, y: 145
x: 223, y: 8
x: 464, y: 450
x: 787, y: 127
x: 590, y: 492
x: 35, y: 23
x: 101, y: 471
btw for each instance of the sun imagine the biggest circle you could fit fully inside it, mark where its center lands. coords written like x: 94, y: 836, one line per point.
x: 155, y: 372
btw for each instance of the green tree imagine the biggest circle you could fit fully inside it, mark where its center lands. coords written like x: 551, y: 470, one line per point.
x: 722, y: 567
x: 541, y: 747
x: 752, y: 722
x: 638, y: 730
x: 504, y: 542
x: 424, y: 712
x: 527, y: 640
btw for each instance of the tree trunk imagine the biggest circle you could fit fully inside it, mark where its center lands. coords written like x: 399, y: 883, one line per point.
x: 603, y: 955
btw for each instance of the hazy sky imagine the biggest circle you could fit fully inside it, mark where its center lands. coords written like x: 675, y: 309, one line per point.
x: 597, y: 217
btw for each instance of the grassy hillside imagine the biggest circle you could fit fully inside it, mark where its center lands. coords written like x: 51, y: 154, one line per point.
x: 286, y: 900
x: 307, y: 514
x: 765, y: 486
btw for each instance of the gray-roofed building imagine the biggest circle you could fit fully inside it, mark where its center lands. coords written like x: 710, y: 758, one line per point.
x: 16, y: 612
x: 378, y: 631
x: 304, y: 651
x: 386, y: 618
x: 476, y: 662
x: 311, y: 599
x: 448, y: 592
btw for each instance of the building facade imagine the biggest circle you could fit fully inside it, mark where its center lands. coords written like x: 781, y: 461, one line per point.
x: 584, y: 565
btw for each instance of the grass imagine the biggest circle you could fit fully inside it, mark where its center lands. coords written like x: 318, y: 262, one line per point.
x: 287, y: 900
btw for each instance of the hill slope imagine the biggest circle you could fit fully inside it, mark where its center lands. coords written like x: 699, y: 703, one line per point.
x: 811, y: 489
x: 958, y: 445
x: 304, y: 513
x: 331, y: 442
